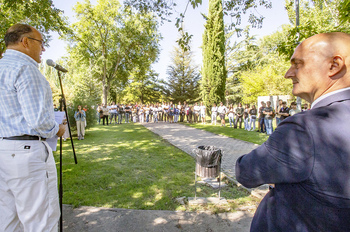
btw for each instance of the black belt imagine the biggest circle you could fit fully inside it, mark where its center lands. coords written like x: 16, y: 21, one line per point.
x: 25, y: 137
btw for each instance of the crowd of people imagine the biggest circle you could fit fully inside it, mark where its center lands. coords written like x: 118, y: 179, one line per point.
x: 197, y: 113
x: 307, y: 161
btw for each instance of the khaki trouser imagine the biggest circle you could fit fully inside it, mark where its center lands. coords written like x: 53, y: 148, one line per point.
x: 81, y: 128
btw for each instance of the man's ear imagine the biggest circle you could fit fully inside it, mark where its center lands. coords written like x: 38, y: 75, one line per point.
x: 337, y: 66
x: 24, y: 42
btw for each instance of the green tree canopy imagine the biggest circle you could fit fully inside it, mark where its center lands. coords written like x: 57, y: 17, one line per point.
x: 143, y: 88
x: 257, y: 67
x: 114, y: 40
x: 40, y: 14
x: 344, y: 11
x: 315, y: 17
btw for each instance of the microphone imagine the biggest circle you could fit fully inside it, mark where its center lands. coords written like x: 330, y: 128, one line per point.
x: 56, y: 66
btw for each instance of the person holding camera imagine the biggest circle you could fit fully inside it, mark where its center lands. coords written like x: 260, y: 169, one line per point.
x: 80, y: 117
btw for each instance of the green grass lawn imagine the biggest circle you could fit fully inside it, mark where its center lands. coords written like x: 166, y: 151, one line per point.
x: 241, y: 134
x: 127, y: 166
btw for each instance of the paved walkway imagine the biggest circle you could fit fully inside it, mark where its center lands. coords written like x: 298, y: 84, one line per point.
x: 188, y: 138
x: 91, y: 219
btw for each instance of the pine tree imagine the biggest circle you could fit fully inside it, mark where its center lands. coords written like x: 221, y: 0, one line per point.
x: 214, y: 71
x: 183, y: 77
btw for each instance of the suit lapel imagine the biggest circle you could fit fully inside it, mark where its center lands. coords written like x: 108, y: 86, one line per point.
x: 342, y: 96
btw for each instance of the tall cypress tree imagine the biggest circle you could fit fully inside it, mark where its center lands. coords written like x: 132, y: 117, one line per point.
x: 213, y: 48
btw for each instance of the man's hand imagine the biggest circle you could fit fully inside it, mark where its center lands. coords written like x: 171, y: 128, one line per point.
x: 61, y: 130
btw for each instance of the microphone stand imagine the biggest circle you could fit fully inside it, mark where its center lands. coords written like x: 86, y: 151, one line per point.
x: 75, y: 157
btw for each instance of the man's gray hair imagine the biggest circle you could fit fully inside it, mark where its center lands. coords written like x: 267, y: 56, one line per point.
x: 15, y: 33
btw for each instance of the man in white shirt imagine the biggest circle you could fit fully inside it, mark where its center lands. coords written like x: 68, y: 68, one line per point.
x: 203, y: 112
x: 160, y: 112
x: 293, y: 109
x: 214, y: 114
x: 165, y: 110
x: 196, y: 110
x: 28, y: 177
x: 155, y: 113
x: 222, y: 110
x: 113, y: 111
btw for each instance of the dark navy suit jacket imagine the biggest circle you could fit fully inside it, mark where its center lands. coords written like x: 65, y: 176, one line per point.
x: 308, y: 160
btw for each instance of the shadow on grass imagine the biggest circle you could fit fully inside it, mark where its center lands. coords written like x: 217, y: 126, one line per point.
x: 127, y: 166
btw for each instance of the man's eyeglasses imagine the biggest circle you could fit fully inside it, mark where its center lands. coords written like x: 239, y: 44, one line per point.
x: 41, y: 41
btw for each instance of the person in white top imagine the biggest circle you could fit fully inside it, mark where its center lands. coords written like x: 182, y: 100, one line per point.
x: 222, y: 110
x: 176, y: 114
x: 134, y: 113
x: 196, y: 110
x: 187, y: 112
x: 246, y: 117
x: 214, y: 114
x: 293, y: 109
x: 166, y: 113
x: 113, y: 111
x: 142, y: 114
x: 179, y: 106
x: 150, y: 118
x: 231, y: 115
x: 203, y: 109
x: 155, y: 113
x: 160, y: 112
x: 147, y: 109
x: 109, y: 107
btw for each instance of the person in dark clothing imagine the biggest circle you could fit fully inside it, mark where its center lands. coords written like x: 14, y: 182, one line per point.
x: 189, y: 115
x: 261, y: 127
x: 284, y: 111
x: 252, y: 113
x: 307, y: 158
x: 239, y: 115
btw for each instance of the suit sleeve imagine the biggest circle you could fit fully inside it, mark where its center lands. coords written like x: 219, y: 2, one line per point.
x: 286, y: 157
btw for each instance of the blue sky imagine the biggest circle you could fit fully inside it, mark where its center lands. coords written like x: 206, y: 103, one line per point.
x: 194, y: 24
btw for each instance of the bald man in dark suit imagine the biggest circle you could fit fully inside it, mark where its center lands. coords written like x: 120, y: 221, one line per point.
x: 307, y: 158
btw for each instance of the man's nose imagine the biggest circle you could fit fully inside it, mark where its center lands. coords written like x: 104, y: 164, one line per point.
x: 289, y: 73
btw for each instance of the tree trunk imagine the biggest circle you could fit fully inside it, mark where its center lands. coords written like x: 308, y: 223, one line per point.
x: 104, y: 79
